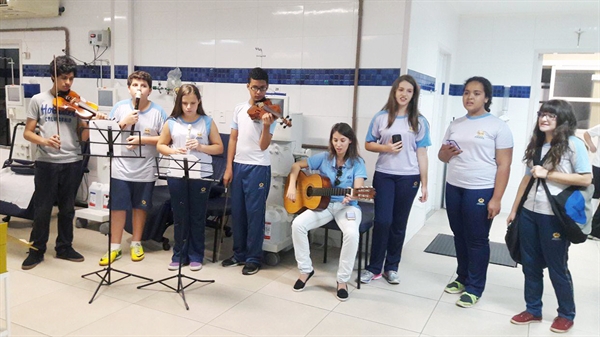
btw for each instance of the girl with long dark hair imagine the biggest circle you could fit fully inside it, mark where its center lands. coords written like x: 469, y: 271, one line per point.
x: 344, y: 167
x: 542, y: 240
x: 399, y: 172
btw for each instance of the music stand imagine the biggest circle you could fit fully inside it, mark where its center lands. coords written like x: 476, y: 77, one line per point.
x: 182, y: 166
x: 104, y: 136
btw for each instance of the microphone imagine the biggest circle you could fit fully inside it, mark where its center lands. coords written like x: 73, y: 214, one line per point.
x: 138, y: 96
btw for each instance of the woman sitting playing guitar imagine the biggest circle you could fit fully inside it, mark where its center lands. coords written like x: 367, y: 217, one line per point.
x: 342, y: 165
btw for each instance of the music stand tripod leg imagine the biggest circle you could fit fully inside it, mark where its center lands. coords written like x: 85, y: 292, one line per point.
x: 186, y: 231
x: 106, y: 278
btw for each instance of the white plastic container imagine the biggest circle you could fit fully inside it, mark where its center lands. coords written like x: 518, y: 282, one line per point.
x: 272, y: 219
x: 95, y: 196
x: 105, y: 195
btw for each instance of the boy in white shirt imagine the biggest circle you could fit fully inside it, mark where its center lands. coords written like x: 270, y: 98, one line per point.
x: 133, y: 179
x: 249, y: 172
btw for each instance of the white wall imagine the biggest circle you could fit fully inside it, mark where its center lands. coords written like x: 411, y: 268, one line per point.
x: 433, y: 29
x: 224, y: 34
x: 505, y: 49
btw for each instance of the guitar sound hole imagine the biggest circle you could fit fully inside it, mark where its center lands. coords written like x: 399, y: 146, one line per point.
x: 309, y: 191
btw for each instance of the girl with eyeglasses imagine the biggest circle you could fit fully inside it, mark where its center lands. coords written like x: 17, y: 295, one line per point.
x: 399, y: 172
x: 542, y: 240
x: 478, y: 149
x: 345, y: 167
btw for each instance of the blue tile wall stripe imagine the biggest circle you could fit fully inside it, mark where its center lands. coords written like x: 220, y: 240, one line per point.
x: 338, y: 77
x: 497, y: 91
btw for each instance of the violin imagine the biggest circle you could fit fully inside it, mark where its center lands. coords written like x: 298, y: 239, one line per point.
x: 257, y: 110
x: 71, y: 101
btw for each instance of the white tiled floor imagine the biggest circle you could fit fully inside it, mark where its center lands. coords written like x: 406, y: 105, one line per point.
x: 52, y: 299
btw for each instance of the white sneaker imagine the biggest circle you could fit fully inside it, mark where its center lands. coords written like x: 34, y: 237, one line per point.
x: 392, y: 277
x: 366, y: 276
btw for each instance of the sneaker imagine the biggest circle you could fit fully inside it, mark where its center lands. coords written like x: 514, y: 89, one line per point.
x: 561, y: 324
x: 195, y: 266
x: 137, y: 253
x: 251, y: 268
x: 70, y: 254
x: 467, y: 300
x: 525, y: 318
x: 230, y: 262
x: 454, y: 287
x: 114, y: 255
x: 33, y: 259
x: 173, y: 266
x: 366, y: 276
x: 392, y: 277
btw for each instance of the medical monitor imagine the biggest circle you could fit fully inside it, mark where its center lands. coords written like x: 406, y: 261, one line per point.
x: 14, y: 95
x: 107, y: 97
x: 282, y: 101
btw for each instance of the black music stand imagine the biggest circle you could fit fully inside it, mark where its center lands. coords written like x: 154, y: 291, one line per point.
x: 185, y: 165
x: 109, y: 135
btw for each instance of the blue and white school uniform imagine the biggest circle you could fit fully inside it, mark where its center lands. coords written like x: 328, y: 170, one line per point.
x: 310, y: 219
x: 543, y: 243
x: 397, y: 180
x: 198, y: 190
x: 133, y: 178
x: 470, y: 181
x: 249, y: 186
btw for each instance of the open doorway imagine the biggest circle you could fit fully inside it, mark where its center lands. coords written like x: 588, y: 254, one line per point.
x: 576, y: 79
x: 9, y: 74
x: 442, y: 88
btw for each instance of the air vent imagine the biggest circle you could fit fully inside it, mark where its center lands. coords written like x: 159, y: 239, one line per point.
x: 23, y: 9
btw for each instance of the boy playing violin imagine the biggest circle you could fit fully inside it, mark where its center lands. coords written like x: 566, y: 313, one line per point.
x: 133, y: 179
x: 249, y: 172
x: 58, y: 165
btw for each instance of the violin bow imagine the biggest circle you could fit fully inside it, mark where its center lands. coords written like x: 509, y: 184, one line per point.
x: 56, y: 99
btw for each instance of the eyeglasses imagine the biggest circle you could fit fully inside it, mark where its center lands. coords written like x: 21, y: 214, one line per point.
x: 259, y: 89
x: 338, y: 175
x: 550, y: 116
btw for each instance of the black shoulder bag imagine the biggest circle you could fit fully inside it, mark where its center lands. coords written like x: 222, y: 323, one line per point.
x: 571, y: 207
x: 512, y: 231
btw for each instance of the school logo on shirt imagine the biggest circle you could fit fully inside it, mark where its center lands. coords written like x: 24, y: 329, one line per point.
x: 199, y: 135
x: 555, y: 236
x: 261, y: 185
x: 147, y: 131
x: 480, y: 134
x: 144, y: 202
x: 481, y: 202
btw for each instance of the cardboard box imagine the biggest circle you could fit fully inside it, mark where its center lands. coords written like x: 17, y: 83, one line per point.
x: 3, y: 231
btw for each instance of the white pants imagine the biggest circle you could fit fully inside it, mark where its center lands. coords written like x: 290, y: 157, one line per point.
x: 314, y: 219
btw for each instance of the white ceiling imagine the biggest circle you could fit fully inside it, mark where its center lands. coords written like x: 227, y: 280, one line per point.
x: 515, y: 7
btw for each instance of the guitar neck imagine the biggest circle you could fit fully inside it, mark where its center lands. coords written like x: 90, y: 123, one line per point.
x: 328, y: 192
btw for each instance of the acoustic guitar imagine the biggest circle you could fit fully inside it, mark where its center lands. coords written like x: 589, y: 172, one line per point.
x: 314, y: 192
